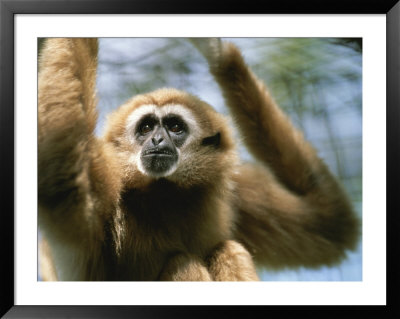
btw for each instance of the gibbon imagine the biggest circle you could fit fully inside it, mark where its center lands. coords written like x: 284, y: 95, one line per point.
x: 163, y: 194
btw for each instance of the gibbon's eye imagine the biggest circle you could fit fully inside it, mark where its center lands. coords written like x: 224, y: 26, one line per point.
x: 174, y: 124
x: 146, y: 125
x: 145, y: 128
x: 176, y: 128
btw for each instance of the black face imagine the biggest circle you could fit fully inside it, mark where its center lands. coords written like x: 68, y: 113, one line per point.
x: 160, y: 140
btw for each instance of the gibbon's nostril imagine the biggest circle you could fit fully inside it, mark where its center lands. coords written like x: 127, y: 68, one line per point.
x: 157, y: 140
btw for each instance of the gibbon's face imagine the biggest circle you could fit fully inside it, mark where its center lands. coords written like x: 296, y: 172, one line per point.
x: 160, y: 133
x: 170, y: 134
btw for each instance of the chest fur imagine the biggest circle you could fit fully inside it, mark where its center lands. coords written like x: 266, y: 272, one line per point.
x: 164, y: 220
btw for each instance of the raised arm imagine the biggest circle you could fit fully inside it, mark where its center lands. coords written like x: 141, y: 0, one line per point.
x: 74, y: 172
x: 292, y: 210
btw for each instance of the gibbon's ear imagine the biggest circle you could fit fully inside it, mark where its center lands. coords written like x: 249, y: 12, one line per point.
x: 213, y: 140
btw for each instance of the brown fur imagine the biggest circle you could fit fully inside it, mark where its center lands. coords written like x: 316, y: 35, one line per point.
x: 292, y: 211
x: 105, y: 220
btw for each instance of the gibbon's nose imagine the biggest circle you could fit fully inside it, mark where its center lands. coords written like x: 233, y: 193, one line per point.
x: 157, y: 139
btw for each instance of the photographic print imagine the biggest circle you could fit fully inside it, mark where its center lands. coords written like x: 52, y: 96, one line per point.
x: 209, y: 160
x: 217, y: 160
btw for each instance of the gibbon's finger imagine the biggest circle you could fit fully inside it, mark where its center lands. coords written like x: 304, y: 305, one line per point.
x: 210, y: 48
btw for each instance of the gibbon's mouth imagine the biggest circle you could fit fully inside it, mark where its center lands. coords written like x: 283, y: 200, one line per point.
x: 159, y: 162
x: 158, y: 152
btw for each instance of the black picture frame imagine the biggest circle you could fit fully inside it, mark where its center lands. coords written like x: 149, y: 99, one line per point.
x: 8, y: 10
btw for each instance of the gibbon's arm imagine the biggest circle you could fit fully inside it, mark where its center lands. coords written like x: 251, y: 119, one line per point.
x: 74, y: 171
x: 292, y: 210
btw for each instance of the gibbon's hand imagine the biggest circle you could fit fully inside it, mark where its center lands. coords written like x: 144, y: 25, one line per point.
x: 210, y: 48
x: 185, y: 267
x: 232, y: 262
